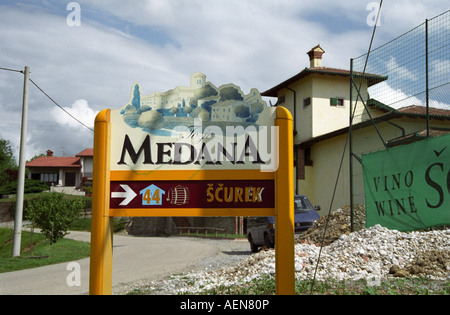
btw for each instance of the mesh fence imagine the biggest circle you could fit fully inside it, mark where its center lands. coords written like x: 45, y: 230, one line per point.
x: 400, y: 94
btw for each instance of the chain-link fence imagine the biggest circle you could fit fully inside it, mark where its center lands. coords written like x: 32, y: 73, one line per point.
x: 400, y: 94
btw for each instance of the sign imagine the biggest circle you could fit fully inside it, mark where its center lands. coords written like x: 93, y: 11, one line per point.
x: 408, y: 187
x: 196, y: 127
x: 185, y: 194
x: 193, y: 151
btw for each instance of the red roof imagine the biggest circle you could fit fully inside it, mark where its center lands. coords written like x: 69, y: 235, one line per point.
x: 422, y: 110
x: 86, y: 152
x: 54, y: 161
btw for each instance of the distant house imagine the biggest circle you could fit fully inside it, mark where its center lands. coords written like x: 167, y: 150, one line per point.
x: 63, y: 171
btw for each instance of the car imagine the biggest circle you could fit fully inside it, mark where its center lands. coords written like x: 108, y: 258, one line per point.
x: 261, y: 230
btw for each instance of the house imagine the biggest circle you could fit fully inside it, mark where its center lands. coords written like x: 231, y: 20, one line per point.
x: 317, y: 177
x: 319, y: 101
x: 318, y: 97
x: 66, y: 171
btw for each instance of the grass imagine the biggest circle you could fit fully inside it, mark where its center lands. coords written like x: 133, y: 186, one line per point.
x: 395, y: 286
x: 36, y: 251
x: 265, y: 285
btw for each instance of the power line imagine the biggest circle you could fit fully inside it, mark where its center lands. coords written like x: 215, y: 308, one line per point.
x: 60, y: 105
x: 343, y: 154
x: 12, y: 70
x: 40, y: 89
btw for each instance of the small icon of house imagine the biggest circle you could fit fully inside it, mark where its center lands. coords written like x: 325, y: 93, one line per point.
x: 152, y: 196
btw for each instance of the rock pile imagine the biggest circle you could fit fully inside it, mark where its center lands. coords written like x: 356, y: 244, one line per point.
x: 337, y: 223
x: 373, y: 254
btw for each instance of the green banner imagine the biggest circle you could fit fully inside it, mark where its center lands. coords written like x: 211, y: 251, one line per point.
x: 408, y: 187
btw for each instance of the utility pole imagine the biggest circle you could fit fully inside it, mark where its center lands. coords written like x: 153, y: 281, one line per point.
x: 21, y: 179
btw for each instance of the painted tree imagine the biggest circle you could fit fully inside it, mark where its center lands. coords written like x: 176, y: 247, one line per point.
x: 242, y: 111
x: 136, y: 101
x: 230, y: 93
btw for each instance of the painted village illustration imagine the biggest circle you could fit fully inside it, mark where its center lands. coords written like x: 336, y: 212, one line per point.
x: 160, y: 112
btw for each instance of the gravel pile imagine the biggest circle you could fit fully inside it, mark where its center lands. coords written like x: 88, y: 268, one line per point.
x: 373, y: 254
x: 339, y: 222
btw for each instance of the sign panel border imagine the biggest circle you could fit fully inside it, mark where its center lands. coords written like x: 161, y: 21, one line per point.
x: 100, y: 281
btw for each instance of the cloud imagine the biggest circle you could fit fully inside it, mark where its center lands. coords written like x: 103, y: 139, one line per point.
x: 396, y: 98
x: 395, y: 69
x: 160, y: 43
x: 80, y: 110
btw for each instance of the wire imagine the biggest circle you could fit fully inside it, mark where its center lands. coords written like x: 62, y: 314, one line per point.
x: 21, y: 71
x: 60, y: 106
x: 12, y: 70
x: 342, y: 159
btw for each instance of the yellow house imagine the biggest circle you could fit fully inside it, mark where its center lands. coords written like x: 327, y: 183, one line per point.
x: 318, y: 97
x: 319, y: 100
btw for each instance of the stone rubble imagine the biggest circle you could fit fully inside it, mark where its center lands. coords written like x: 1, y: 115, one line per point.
x: 373, y: 254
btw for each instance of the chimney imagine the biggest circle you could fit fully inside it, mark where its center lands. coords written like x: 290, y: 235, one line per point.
x: 49, y: 153
x: 315, y: 56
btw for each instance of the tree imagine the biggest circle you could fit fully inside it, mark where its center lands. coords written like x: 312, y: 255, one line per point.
x: 187, y: 110
x: 136, y: 101
x: 53, y: 214
x: 230, y: 93
x: 242, y: 111
x: 151, y: 119
x: 30, y: 186
x: 202, y: 93
x: 173, y: 111
x: 7, y: 160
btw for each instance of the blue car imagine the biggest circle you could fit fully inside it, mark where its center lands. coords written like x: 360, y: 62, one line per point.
x: 261, y: 230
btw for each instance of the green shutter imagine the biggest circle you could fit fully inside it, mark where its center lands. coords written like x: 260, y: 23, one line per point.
x: 333, y: 101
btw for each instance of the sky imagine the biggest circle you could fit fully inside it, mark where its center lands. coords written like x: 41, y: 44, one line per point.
x: 86, y: 55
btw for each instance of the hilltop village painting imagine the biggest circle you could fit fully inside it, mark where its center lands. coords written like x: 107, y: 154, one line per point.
x: 160, y: 112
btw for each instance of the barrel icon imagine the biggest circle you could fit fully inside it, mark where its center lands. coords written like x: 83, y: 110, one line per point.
x: 178, y: 195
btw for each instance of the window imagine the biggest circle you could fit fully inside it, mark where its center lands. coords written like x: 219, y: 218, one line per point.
x: 308, y: 160
x: 306, y: 101
x: 337, y: 101
x: 49, y: 178
x: 282, y: 99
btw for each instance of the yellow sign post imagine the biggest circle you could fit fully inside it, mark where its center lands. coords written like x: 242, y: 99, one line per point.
x: 284, y: 212
x: 255, y: 192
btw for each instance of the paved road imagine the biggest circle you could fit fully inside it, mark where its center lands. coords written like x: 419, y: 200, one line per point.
x: 134, y: 258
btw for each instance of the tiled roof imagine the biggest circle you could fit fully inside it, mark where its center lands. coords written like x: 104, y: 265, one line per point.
x: 371, y: 78
x: 417, y: 136
x: 86, y: 152
x: 413, y: 111
x: 54, y: 161
x: 422, y: 110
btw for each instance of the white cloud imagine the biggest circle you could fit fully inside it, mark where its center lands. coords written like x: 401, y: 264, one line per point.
x: 396, y: 98
x: 250, y: 43
x: 80, y: 110
x: 403, y: 72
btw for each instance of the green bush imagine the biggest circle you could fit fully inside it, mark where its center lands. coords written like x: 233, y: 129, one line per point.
x: 30, y: 186
x: 53, y: 214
